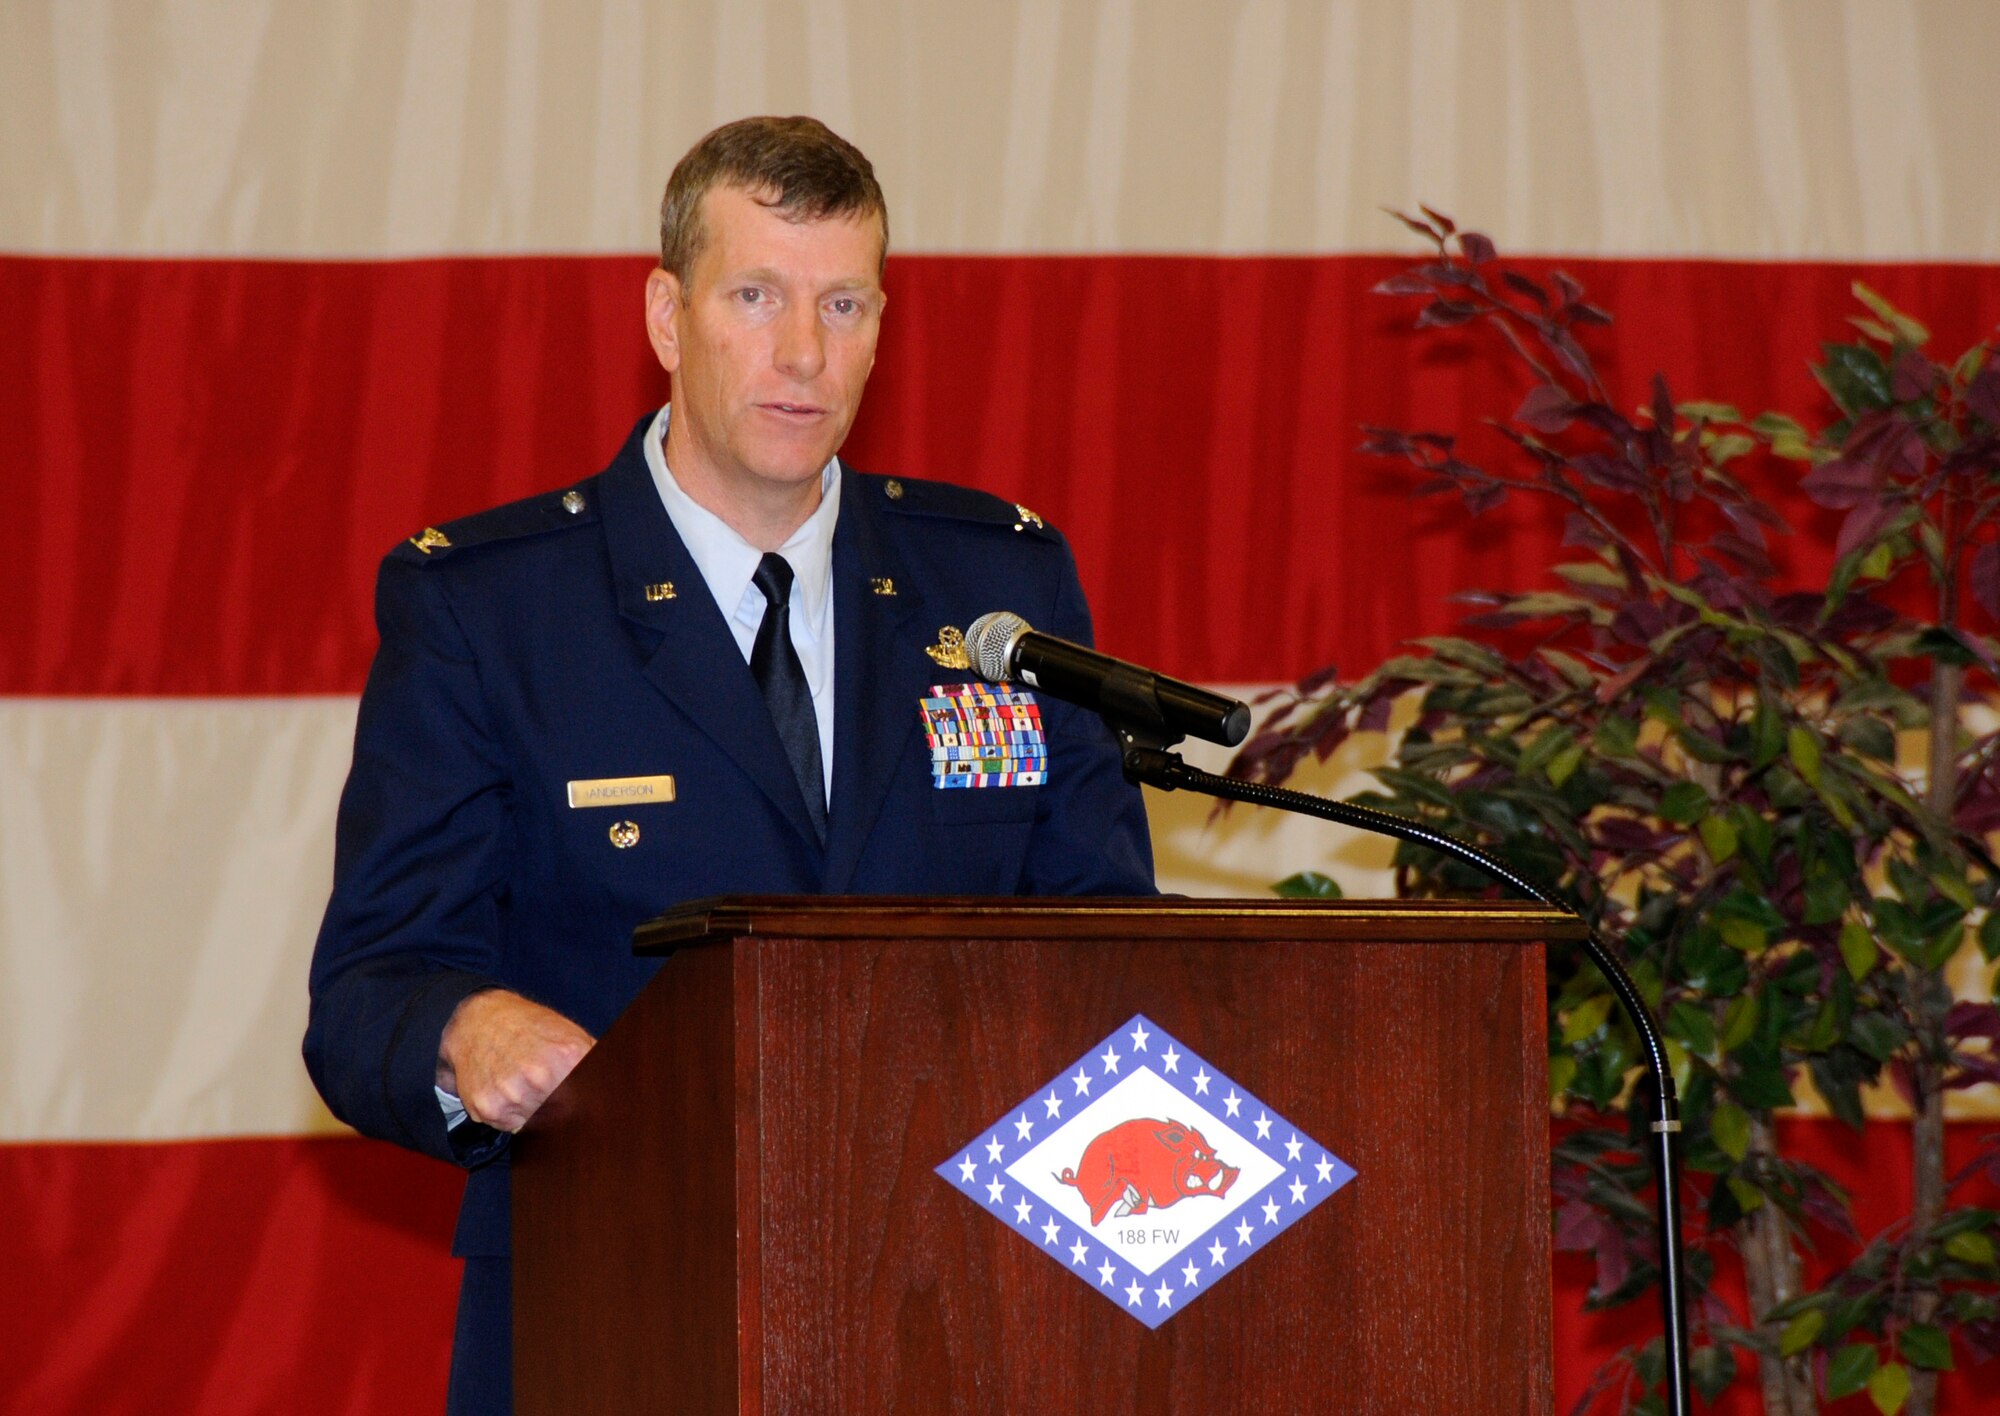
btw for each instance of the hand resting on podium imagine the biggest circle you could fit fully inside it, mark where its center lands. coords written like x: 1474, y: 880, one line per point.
x: 502, y: 1055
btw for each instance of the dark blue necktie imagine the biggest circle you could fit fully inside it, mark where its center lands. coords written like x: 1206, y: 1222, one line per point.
x: 774, y: 663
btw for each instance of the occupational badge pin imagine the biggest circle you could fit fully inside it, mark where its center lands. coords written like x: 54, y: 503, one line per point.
x: 949, y: 651
x: 625, y: 834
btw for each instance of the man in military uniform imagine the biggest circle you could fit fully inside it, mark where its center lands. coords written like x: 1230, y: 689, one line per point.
x: 702, y: 671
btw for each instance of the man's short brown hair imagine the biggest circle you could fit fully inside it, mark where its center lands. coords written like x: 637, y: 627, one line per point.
x: 798, y: 167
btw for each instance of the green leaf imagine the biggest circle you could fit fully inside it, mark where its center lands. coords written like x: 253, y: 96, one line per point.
x: 1617, y: 736
x: 1989, y: 936
x: 1803, y: 748
x: 1889, y: 1388
x: 1586, y: 1018
x: 1788, y: 440
x: 1971, y: 1247
x: 1907, y: 329
x: 1693, y: 1026
x: 1728, y: 447
x: 1562, y: 1071
x: 1800, y: 1332
x: 1564, y: 764
x: 1739, y: 1022
x: 1925, y: 1346
x: 1712, y: 1369
x: 1742, y: 934
x: 1856, y: 376
x: 1718, y: 837
x: 1877, y: 1035
x: 1308, y: 885
x: 1729, y: 1124
x: 1857, y: 947
x: 1709, y: 412
x: 1593, y: 573
x: 1879, y: 560
x: 1850, y: 1370
x: 1748, y: 1196
x: 1683, y: 803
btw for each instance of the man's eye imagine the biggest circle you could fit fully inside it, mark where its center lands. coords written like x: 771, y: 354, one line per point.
x: 844, y: 305
x: 750, y: 295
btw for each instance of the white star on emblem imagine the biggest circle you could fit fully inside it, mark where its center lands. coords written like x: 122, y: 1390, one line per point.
x: 1191, y: 1273
x: 1021, y: 1210
x: 1242, y: 1232
x: 1050, y: 1230
x: 1054, y: 1104
x: 1166, y: 1294
x: 995, y: 1188
x: 1216, y: 1251
x: 993, y: 1149
x: 1077, y: 1251
x: 1270, y: 1212
x: 966, y: 1168
x: 1110, y: 1059
x: 1132, y: 1294
x: 1263, y: 1126
x: 1324, y: 1166
x: 1139, y: 1036
x: 1104, y: 1272
x: 1293, y: 1146
x: 1024, y: 1127
x: 1232, y: 1101
x: 1172, y: 1059
x: 1201, y: 1081
x: 1298, y: 1189
x: 1082, y: 1080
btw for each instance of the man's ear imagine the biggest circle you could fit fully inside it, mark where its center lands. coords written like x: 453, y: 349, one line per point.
x: 663, y: 308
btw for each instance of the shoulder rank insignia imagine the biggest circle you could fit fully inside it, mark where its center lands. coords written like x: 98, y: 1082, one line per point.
x: 1028, y: 518
x: 949, y: 651
x: 431, y: 539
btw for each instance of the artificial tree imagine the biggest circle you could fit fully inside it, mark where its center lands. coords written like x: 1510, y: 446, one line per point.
x: 1705, y: 760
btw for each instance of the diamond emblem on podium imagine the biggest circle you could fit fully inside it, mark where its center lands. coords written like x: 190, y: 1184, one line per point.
x: 1146, y: 1171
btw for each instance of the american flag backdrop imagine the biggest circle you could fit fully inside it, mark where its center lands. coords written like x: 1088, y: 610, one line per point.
x: 282, y: 283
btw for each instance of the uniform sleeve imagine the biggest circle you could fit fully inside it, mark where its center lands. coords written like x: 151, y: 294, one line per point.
x: 1090, y: 833
x: 419, y: 860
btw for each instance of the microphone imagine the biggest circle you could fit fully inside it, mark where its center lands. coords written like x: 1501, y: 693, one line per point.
x: 1005, y: 649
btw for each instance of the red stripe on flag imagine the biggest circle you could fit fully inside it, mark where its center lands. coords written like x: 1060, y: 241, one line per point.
x: 252, y: 1276
x: 208, y: 457
x: 311, y: 1276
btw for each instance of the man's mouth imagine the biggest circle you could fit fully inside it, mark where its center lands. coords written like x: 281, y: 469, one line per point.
x: 793, y: 410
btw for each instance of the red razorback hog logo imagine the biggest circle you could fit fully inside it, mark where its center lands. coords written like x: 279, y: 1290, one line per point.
x: 1146, y: 1164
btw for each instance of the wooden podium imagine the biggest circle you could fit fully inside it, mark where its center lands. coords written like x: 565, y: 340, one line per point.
x: 731, y: 1205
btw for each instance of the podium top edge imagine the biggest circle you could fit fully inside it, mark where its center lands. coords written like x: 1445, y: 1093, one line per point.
x: 961, y: 917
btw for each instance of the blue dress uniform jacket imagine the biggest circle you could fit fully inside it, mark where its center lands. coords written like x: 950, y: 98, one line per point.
x: 570, y: 637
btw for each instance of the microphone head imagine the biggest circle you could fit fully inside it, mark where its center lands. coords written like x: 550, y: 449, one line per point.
x: 990, y: 644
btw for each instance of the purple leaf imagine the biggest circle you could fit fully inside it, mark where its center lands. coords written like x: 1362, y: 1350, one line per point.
x: 1985, y: 576
x: 1375, y: 715
x: 1403, y: 285
x: 1863, y: 524
x: 1524, y: 286
x: 1444, y: 223
x: 1441, y: 313
x: 1840, y: 483
x: 1970, y: 1020
x: 1546, y: 409
x: 1663, y: 403
x: 1982, y: 396
x: 1477, y: 248
x: 1483, y: 499
x: 1913, y: 376
x: 1571, y: 291
x: 1569, y: 352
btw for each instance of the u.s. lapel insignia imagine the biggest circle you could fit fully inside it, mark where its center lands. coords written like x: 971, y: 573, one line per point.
x: 881, y: 585
x: 949, y: 651
x: 430, y: 539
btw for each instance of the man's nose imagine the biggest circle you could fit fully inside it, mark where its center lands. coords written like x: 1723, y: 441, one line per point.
x: 801, y: 350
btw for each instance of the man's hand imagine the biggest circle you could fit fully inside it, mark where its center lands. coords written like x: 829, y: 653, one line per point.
x: 502, y: 1055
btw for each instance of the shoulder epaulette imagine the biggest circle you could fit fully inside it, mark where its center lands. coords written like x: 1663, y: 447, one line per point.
x: 531, y: 516
x: 917, y: 497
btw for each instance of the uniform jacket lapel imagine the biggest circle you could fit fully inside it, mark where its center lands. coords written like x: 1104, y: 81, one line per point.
x: 880, y: 673
x: 696, y: 662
